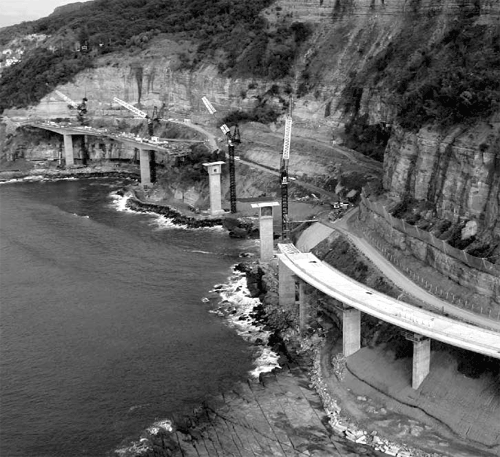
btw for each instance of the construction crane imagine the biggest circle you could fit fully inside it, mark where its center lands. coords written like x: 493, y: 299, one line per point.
x: 284, y: 180
x: 137, y: 112
x: 232, y: 138
x: 158, y: 114
x: 81, y: 108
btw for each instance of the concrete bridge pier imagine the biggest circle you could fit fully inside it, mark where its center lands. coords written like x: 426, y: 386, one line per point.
x: 214, y: 172
x: 68, y: 150
x: 351, y: 330
x: 286, y: 286
x: 303, y: 307
x: 421, y: 359
x: 147, y: 162
x: 266, y: 219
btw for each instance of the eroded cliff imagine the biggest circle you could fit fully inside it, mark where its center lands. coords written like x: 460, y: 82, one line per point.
x: 414, y: 79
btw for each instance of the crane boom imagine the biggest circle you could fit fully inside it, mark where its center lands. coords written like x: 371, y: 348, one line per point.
x: 209, y: 106
x: 130, y: 107
x: 67, y: 99
x: 231, y: 139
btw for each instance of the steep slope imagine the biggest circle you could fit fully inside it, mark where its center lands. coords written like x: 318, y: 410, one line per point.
x: 413, y: 82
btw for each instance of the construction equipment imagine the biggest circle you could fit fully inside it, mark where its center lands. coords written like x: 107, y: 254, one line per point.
x: 284, y: 180
x: 158, y: 114
x: 137, y: 112
x: 232, y: 138
x: 80, y: 107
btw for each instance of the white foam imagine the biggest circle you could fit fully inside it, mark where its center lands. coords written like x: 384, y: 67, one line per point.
x: 162, y: 222
x: 236, y: 305
x: 120, y: 202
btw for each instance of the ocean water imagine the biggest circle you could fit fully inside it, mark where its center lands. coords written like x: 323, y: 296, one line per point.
x: 106, y: 319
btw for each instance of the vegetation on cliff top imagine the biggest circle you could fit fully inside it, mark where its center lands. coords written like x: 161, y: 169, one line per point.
x: 243, y: 40
x: 454, y: 79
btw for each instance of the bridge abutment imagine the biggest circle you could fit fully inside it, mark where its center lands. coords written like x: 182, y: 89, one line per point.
x: 69, y: 157
x: 351, y: 330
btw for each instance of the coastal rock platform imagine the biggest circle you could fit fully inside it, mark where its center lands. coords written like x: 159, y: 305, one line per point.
x: 278, y: 415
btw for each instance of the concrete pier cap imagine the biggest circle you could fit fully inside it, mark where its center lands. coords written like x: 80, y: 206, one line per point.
x: 214, y: 172
x: 266, y: 220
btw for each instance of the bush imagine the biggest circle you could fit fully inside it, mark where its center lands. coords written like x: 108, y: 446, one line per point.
x: 264, y: 114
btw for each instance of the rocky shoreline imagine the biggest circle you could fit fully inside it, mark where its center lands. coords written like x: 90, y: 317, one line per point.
x: 66, y: 173
x: 289, y: 411
x: 300, y: 361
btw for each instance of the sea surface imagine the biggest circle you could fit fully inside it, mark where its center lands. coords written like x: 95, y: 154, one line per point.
x: 105, y: 324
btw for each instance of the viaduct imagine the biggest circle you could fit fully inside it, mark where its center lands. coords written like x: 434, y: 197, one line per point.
x: 420, y: 325
x: 297, y: 267
x: 147, y: 149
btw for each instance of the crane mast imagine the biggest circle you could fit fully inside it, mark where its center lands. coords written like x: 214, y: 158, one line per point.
x: 232, y: 138
x: 80, y: 107
x: 68, y: 100
x: 285, y: 221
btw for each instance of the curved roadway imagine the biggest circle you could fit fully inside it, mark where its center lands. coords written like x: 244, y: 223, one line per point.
x: 405, y: 283
x: 339, y: 286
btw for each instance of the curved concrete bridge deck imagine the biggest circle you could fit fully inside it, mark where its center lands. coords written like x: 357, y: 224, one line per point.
x: 356, y: 297
x: 339, y: 286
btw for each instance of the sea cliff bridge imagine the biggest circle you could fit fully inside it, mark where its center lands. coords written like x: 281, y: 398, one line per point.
x: 420, y: 325
x: 146, y: 147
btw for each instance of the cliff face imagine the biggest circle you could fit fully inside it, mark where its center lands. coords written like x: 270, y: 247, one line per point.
x: 455, y: 169
x: 458, y: 172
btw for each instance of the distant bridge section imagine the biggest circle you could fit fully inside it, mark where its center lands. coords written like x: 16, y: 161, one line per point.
x: 146, y: 147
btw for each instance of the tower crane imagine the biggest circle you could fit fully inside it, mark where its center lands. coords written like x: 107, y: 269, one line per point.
x: 232, y: 138
x: 158, y: 114
x: 285, y: 221
x: 137, y: 112
x: 80, y: 107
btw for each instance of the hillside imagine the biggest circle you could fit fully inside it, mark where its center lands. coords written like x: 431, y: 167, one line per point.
x: 413, y: 84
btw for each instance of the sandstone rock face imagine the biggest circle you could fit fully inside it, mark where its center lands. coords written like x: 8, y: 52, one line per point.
x: 459, y: 173
x: 485, y: 287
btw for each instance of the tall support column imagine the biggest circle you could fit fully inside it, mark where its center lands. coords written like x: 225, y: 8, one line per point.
x: 214, y: 171
x: 68, y: 150
x: 421, y: 359
x: 266, y: 229
x: 85, y: 152
x: 152, y: 165
x: 286, y: 286
x: 145, y: 167
x: 351, y: 329
x: 303, y: 306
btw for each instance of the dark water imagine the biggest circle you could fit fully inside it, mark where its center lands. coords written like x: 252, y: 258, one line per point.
x: 102, y: 326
